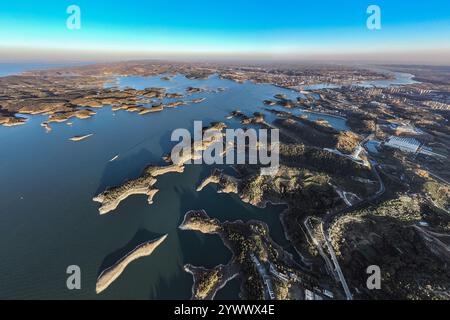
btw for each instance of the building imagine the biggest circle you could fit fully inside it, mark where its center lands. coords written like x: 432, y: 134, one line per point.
x: 310, y: 295
x: 278, y: 274
x: 404, y: 144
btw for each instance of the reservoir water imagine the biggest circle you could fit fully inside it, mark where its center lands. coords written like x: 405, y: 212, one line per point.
x: 48, y: 220
x: 7, y: 69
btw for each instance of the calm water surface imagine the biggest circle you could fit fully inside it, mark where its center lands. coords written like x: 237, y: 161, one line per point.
x: 48, y: 220
x: 7, y: 69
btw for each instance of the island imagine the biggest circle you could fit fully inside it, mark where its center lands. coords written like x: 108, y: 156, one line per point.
x: 108, y: 276
x: 112, y: 197
x: 79, y: 138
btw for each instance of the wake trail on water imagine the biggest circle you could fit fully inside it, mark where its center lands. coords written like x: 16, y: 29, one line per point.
x: 130, y: 149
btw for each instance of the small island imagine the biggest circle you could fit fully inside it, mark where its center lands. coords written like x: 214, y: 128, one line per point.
x: 80, y: 138
x: 109, y: 275
x: 112, y: 197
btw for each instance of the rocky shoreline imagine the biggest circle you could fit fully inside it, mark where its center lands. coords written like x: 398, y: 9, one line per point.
x: 63, y: 97
x: 248, y: 242
x: 144, y: 184
x: 112, y: 197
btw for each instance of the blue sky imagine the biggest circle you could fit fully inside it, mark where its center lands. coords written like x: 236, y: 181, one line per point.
x: 244, y: 26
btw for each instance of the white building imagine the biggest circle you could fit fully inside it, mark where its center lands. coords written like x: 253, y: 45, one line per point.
x: 404, y: 144
x: 309, y: 295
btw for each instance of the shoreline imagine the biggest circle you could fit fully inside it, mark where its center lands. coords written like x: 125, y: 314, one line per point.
x: 193, y: 270
x: 110, y: 274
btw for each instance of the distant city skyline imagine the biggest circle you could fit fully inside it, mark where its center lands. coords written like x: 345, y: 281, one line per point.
x: 413, y: 32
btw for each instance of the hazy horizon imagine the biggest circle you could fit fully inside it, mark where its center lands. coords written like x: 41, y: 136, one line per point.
x: 286, y: 31
x: 408, y: 58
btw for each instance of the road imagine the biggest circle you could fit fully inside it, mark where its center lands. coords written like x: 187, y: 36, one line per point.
x: 319, y: 247
x: 324, y: 226
x: 265, y: 277
x: 438, y: 177
x: 332, y: 265
x: 336, y: 271
x: 361, y: 203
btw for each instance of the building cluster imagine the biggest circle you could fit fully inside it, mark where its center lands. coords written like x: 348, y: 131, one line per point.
x: 437, y: 105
